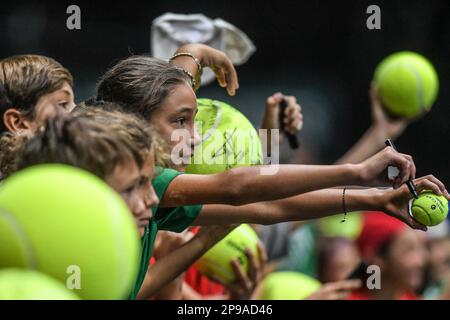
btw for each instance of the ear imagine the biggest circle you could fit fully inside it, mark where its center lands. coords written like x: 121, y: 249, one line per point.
x: 14, y: 121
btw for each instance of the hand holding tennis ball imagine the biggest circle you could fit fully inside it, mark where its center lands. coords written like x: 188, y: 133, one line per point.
x: 429, y: 209
x: 408, y: 84
x: 217, y: 262
x: 398, y: 203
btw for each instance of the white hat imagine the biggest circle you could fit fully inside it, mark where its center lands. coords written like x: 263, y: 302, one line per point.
x: 170, y: 31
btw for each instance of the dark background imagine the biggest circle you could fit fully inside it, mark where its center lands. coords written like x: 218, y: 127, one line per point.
x: 320, y: 51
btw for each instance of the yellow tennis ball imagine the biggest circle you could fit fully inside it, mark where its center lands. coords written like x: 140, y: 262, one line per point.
x: 429, y: 209
x: 69, y: 224
x: 228, y: 139
x: 408, y: 83
x: 217, y: 261
x: 332, y: 226
x: 288, y: 285
x: 22, y: 284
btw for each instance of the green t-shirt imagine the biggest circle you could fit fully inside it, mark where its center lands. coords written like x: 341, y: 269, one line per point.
x: 169, y: 219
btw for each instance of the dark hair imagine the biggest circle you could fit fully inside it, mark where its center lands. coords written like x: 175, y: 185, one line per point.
x: 25, y: 78
x: 140, y: 83
x: 95, y: 141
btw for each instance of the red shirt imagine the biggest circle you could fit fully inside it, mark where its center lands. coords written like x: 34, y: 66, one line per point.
x: 203, y: 285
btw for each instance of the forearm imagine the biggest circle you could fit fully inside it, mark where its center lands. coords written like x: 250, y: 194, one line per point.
x: 245, y: 185
x: 323, y: 203
x: 370, y: 143
x: 307, y: 206
x: 172, y: 265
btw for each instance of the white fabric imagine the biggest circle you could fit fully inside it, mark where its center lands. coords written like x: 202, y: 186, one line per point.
x: 170, y: 31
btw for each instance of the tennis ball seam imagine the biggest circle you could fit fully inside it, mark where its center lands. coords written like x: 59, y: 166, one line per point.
x: 214, y: 127
x: 424, y: 212
x: 420, y: 97
x: 416, y: 75
x: 21, y: 235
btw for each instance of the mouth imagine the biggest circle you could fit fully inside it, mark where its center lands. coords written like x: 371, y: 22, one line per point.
x: 186, y: 157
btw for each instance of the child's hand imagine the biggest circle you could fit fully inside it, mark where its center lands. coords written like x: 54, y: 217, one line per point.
x: 167, y: 241
x: 215, y: 60
x: 293, y: 117
x: 396, y: 202
x: 387, y: 127
x: 335, y: 290
x: 373, y: 171
x: 245, y: 285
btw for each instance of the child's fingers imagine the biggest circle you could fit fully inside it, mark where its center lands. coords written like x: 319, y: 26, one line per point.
x: 294, y: 123
x: 231, y: 75
x: 413, y: 167
x: 220, y: 75
x: 262, y: 253
x: 274, y: 100
x: 254, y: 265
x: 240, y: 274
x: 404, y: 165
x: 430, y: 184
x: 435, y: 180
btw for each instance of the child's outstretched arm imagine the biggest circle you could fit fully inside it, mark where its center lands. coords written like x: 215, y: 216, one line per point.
x: 320, y: 204
x: 166, y: 269
x: 247, y: 185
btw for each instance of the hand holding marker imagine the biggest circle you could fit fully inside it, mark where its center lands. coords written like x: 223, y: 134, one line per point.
x: 292, y: 138
x: 409, y: 183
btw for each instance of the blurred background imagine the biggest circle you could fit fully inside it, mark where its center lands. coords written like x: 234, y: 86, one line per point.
x: 319, y: 51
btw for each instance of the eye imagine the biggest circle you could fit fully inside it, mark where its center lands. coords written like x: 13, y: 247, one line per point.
x: 128, y: 191
x: 63, y: 105
x: 143, y: 181
x: 180, y: 121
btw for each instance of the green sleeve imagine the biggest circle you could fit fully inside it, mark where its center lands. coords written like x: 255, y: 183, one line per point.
x: 172, y: 219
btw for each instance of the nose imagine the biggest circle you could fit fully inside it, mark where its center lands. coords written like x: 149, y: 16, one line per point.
x: 151, y: 199
x: 139, y: 207
x: 195, y: 137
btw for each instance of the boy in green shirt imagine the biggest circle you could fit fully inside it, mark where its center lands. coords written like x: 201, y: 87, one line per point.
x: 119, y: 149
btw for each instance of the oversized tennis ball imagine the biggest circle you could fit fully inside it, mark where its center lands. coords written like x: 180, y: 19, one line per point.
x: 70, y: 225
x: 429, y: 209
x: 22, y: 284
x: 288, y: 285
x: 408, y: 84
x: 217, y: 260
x: 228, y: 139
x: 333, y: 226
